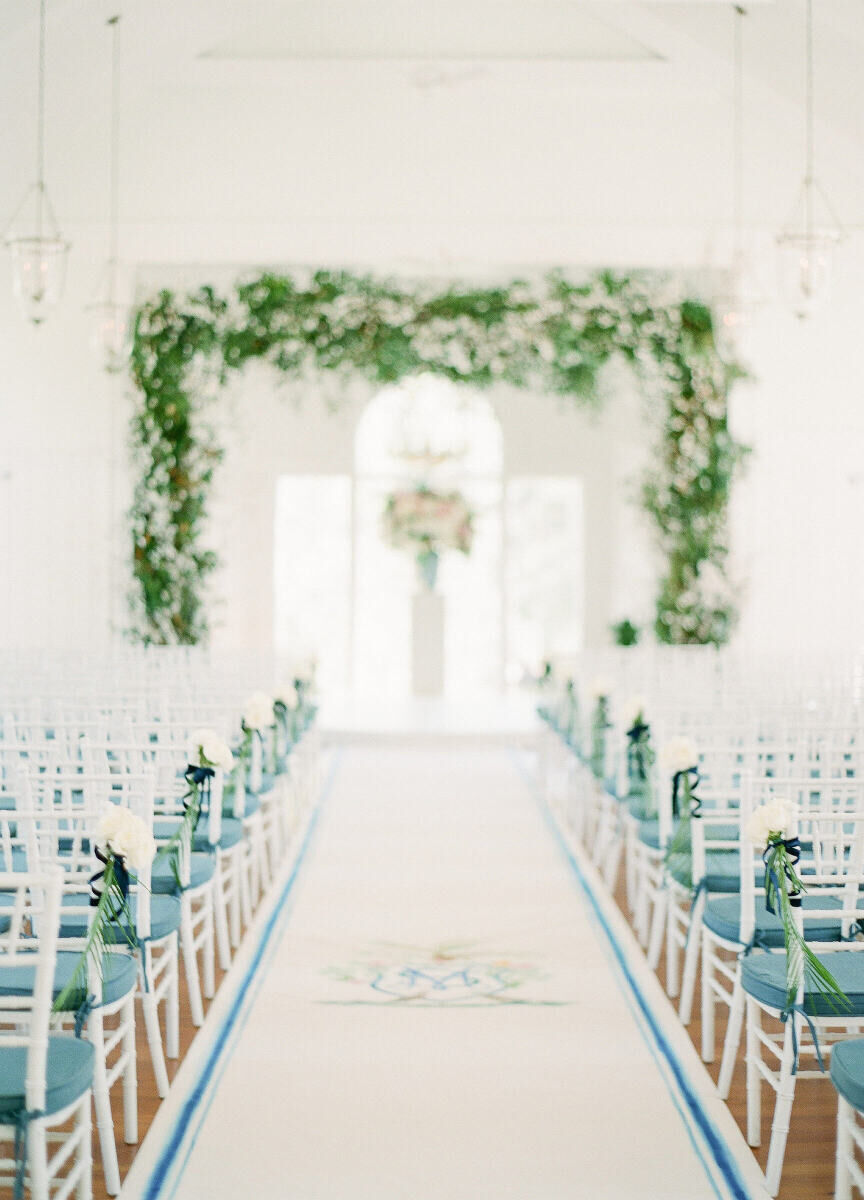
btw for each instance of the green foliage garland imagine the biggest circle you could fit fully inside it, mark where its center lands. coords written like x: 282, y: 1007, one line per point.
x: 555, y: 337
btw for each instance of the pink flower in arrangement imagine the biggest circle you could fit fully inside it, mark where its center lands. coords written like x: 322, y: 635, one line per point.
x: 426, y: 520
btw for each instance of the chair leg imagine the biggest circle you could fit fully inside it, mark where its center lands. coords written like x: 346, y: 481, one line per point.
x: 190, y: 962
x: 691, y: 960
x: 244, y: 887
x: 845, y: 1150
x: 130, y: 1073
x: 673, y: 977
x: 708, y: 999
x: 221, y: 920
x: 658, y: 924
x: 733, y: 1040
x: 102, y: 1105
x: 150, y: 1009
x: 782, y: 1112
x: 37, y: 1160
x: 172, y: 1001
x: 235, y: 914
x: 754, y: 1078
x: 209, y: 946
x: 84, y: 1187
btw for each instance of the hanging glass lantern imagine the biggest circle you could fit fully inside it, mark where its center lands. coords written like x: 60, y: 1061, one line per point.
x: 110, y: 334
x: 742, y: 294
x: 806, y: 262
x: 38, y: 273
x: 38, y: 258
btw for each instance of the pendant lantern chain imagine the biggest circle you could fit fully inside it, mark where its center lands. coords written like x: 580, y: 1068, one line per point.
x: 114, y: 202
x: 40, y: 127
x: 809, y: 146
x: 738, y: 125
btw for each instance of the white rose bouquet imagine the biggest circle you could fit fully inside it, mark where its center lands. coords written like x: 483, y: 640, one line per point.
x: 122, y: 834
x: 123, y: 844
x: 207, y: 749
x: 600, y: 723
x: 640, y: 756
x: 679, y: 758
x: 258, y: 713
x: 677, y: 755
x: 208, y: 752
x: 771, y: 828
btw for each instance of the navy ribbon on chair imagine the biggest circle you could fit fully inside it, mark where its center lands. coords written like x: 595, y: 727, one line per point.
x: 199, y: 778
x: 637, y: 731
x: 793, y: 849
x: 695, y: 802
x: 82, y: 1013
x: 121, y: 876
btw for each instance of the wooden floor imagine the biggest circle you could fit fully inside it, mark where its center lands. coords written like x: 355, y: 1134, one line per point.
x: 808, y: 1172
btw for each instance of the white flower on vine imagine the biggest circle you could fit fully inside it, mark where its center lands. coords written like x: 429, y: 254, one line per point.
x: 776, y: 817
x: 678, y: 754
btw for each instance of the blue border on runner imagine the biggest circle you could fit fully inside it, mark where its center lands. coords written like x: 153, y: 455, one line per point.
x: 715, y: 1142
x: 167, y: 1158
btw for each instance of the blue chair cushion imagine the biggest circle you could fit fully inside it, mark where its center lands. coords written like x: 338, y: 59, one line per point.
x: 763, y: 976
x: 164, y: 919
x: 847, y: 1071
x: 232, y: 833
x: 723, y: 917
x: 253, y: 803
x: 649, y: 833
x: 19, y: 860
x: 7, y: 899
x: 721, y: 871
x: 68, y: 1075
x: 162, y: 879
x: 119, y: 975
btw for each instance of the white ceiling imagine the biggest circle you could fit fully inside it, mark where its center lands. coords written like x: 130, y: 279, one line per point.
x: 437, y: 29
x: 518, y: 122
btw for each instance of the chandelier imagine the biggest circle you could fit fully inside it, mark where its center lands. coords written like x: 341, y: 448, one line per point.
x: 807, y: 243
x: 38, y: 257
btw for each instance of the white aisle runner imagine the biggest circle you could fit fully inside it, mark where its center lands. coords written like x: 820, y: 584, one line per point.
x: 441, y: 1019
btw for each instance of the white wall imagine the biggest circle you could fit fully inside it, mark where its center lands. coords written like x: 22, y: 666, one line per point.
x: 355, y: 164
x: 797, y: 532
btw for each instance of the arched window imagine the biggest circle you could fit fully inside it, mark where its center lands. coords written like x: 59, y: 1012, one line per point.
x: 343, y: 592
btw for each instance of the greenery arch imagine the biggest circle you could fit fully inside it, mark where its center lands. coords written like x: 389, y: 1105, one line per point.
x: 555, y: 335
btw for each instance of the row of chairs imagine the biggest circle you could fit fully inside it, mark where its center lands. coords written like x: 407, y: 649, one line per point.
x: 61, y: 762
x: 694, y: 884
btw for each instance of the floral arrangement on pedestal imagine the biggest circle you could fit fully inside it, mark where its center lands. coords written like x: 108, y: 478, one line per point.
x: 428, y: 522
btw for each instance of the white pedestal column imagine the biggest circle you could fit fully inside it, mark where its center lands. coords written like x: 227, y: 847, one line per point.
x: 427, y: 655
